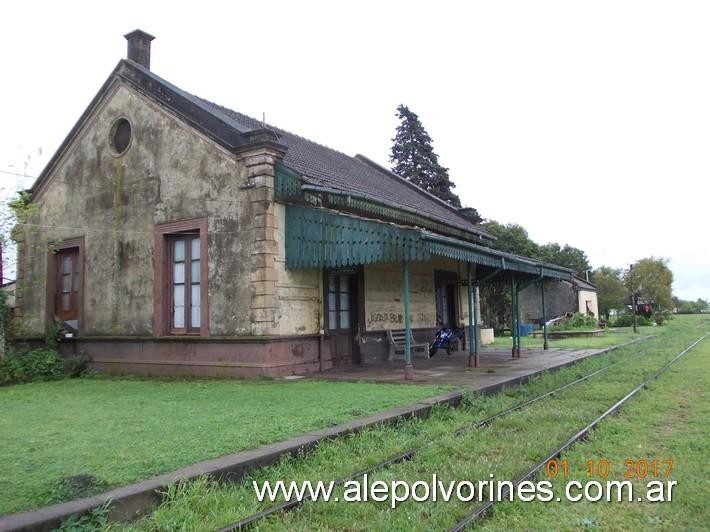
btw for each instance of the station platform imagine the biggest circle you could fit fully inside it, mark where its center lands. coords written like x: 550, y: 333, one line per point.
x: 496, y: 368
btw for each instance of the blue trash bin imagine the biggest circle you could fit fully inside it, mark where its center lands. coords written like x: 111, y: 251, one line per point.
x: 525, y: 329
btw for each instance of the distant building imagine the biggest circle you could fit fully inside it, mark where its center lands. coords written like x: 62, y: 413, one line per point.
x: 563, y: 297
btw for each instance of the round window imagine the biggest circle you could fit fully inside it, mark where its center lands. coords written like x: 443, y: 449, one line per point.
x: 121, y: 135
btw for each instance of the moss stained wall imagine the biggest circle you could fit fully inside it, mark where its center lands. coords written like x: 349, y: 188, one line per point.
x: 383, y: 294
x: 299, y: 292
x: 585, y: 296
x: 169, y: 173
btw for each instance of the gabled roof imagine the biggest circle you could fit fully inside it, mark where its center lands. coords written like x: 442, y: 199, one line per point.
x: 583, y: 284
x: 323, y: 166
x: 317, y: 164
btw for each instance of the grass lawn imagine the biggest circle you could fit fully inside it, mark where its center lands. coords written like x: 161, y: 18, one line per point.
x: 121, y: 430
x: 666, y: 424
x: 608, y: 338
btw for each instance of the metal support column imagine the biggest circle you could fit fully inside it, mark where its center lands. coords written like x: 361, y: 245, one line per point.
x: 472, y: 322
x: 476, y: 330
x: 513, y: 321
x: 408, y: 366
x: 544, y: 316
x: 517, y: 321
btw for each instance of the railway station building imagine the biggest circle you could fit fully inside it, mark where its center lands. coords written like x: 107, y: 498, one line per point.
x: 170, y: 235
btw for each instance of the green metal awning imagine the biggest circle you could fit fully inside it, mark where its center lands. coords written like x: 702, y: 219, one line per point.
x: 317, y: 238
x: 457, y: 250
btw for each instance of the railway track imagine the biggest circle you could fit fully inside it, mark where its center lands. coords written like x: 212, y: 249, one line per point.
x: 251, y: 520
x: 580, y: 435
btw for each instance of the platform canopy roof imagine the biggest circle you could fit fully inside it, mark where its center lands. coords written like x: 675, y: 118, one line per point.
x: 322, y: 238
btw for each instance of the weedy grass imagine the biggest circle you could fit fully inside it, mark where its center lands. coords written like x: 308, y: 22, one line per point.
x: 505, y: 449
x: 78, y: 437
x: 668, y: 420
x: 608, y: 338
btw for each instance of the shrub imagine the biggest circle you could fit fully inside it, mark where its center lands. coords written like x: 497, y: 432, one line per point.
x: 582, y: 320
x: 39, y: 364
x: 577, y: 321
x: 627, y: 320
x: 661, y: 316
x: 78, y: 365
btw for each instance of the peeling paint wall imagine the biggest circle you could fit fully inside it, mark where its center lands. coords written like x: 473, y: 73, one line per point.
x: 299, y: 292
x: 383, y: 294
x: 169, y: 173
x: 588, y: 299
x: 560, y: 298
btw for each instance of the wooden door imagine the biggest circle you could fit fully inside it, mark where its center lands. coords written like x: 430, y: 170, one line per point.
x: 446, y: 285
x: 341, y: 315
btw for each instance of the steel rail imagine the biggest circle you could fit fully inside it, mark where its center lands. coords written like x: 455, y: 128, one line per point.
x: 285, y: 506
x: 580, y: 435
x: 290, y: 504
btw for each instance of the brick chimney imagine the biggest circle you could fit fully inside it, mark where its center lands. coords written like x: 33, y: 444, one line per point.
x: 139, y: 47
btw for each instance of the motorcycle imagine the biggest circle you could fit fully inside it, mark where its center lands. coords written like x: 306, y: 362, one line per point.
x: 445, y: 337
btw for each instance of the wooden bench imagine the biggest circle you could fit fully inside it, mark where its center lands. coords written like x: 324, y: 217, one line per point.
x: 397, y: 341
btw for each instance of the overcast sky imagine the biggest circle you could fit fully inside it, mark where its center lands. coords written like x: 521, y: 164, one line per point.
x: 586, y: 122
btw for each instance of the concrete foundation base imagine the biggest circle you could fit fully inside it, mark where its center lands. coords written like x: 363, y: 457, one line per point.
x: 408, y: 372
x: 203, y: 357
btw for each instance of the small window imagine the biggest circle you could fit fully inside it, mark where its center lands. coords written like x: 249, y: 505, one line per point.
x: 338, y: 302
x: 68, y: 285
x: 121, y: 133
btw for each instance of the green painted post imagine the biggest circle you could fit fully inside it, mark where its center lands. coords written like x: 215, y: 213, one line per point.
x: 517, y: 321
x: 471, y: 333
x: 408, y: 367
x: 476, y: 342
x: 544, y: 316
x: 513, y: 323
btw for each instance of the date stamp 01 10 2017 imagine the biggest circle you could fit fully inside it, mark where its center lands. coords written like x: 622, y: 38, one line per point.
x: 651, y: 471
x: 633, y: 469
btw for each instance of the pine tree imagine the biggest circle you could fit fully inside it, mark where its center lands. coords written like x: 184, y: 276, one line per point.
x: 414, y: 159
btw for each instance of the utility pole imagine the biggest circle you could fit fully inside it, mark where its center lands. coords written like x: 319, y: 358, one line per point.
x: 633, y: 296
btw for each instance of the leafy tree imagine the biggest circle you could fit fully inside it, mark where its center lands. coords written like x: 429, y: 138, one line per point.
x: 496, y: 306
x: 651, y: 278
x: 611, y: 292
x: 414, y: 159
x: 512, y: 238
x: 567, y: 256
x: 471, y: 215
x: 690, y: 307
x: 495, y: 299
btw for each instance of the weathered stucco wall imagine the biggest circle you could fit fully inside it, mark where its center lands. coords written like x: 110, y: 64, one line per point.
x: 591, y: 297
x: 169, y: 173
x: 560, y: 298
x: 383, y: 294
x: 299, y: 292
